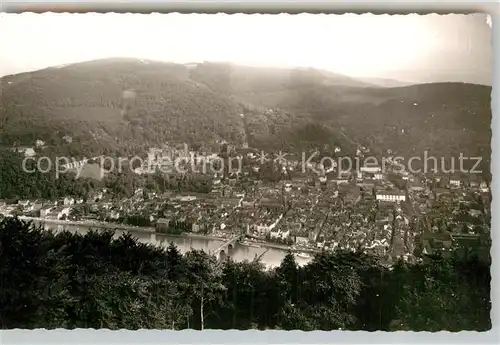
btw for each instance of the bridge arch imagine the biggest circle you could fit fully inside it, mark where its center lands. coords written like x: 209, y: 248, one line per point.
x: 227, y: 246
x: 222, y: 255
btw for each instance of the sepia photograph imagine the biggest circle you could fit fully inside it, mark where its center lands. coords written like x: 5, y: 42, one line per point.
x: 245, y: 172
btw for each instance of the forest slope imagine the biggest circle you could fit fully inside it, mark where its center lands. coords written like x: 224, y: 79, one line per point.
x: 128, y: 104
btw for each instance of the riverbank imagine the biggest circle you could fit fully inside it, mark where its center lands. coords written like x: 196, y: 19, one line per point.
x: 113, y: 226
x: 194, y: 236
x: 102, y: 225
x: 282, y: 246
x: 286, y: 248
x: 150, y: 230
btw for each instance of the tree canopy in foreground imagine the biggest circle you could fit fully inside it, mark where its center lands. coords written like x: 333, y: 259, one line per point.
x: 95, y: 280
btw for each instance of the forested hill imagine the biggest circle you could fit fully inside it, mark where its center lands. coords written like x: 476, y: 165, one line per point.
x: 442, y: 118
x: 116, y: 104
x: 128, y: 104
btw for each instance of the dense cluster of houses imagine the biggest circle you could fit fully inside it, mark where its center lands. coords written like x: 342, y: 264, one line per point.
x: 454, y: 214
x: 386, y: 212
x: 59, y: 209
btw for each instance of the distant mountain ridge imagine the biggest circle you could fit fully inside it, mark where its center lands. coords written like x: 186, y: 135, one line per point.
x: 384, y: 82
x: 126, y: 105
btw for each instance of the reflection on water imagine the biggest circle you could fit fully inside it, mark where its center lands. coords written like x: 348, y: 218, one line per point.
x: 271, y: 257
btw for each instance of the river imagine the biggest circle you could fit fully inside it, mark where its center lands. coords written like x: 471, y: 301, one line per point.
x: 271, y: 256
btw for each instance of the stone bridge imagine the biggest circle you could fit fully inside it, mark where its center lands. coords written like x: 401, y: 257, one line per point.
x: 228, y: 245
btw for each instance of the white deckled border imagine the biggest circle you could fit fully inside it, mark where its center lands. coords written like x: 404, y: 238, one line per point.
x: 84, y: 336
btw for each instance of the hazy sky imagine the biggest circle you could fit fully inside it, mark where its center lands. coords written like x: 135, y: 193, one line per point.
x: 411, y: 48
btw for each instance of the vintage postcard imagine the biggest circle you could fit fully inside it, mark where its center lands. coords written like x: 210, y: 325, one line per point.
x: 237, y: 172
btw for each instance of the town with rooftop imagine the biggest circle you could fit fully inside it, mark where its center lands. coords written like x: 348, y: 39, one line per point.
x: 275, y: 202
